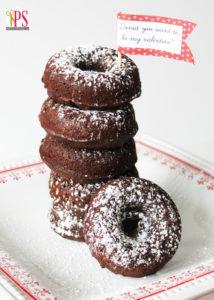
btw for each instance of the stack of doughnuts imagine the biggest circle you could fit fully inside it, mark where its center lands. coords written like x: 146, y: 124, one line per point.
x: 90, y: 125
x: 131, y: 225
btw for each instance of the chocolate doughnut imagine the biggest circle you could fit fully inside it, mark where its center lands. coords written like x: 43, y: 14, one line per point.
x: 70, y: 202
x: 90, y: 77
x: 72, y: 195
x: 67, y: 223
x: 86, y: 165
x: 91, y: 129
x: 132, y: 227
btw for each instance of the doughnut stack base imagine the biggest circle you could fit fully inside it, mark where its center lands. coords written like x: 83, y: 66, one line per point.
x: 70, y: 203
x: 90, y: 125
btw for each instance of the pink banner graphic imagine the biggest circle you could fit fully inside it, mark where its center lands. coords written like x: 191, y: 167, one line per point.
x: 157, y: 36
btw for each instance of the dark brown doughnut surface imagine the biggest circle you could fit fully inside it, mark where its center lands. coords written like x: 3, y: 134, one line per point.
x: 89, y: 129
x: 90, y: 77
x: 70, y: 202
x: 132, y: 227
x: 85, y: 165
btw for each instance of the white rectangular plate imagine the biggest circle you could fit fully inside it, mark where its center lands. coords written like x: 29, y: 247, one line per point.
x: 42, y: 265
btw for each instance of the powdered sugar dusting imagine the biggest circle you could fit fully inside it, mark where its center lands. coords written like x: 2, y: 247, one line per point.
x: 90, y: 77
x: 66, y: 223
x: 93, y: 66
x: 158, y: 230
x: 71, y: 196
x: 94, y: 122
x: 70, y: 60
x: 70, y: 202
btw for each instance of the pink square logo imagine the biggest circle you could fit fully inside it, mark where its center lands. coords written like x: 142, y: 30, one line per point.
x: 17, y: 19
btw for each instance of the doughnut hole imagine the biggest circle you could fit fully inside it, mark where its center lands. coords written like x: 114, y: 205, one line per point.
x: 90, y: 66
x: 130, y: 223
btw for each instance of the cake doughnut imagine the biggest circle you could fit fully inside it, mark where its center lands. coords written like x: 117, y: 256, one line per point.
x: 132, y: 227
x: 91, y: 129
x: 67, y: 223
x: 86, y: 165
x: 90, y: 77
x: 70, y: 202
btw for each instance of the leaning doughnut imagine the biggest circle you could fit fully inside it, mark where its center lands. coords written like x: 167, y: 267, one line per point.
x: 132, y: 227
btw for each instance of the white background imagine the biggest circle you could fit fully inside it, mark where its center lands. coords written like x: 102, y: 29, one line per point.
x: 177, y: 102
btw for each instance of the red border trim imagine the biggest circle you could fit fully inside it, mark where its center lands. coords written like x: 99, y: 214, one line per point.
x: 158, y: 19
x: 17, y: 284
x: 22, y: 167
x: 178, y: 284
x: 177, y: 159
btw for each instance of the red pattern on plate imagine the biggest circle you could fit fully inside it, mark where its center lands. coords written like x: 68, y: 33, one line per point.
x: 33, y: 289
x: 22, y: 279
x: 23, y: 171
x: 171, y: 282
x: 197, y: 174
x: 186, y: 54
